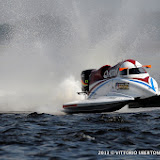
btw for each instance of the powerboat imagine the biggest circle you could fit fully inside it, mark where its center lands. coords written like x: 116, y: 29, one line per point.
x: 110, y: 88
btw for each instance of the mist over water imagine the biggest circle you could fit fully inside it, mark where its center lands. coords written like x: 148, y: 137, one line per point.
x: 44, y: 46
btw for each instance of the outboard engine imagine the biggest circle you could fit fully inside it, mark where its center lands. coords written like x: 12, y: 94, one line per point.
x: 85, y: 79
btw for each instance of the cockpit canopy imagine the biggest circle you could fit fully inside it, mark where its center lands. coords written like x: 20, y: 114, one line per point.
x: 127, y: 69
x: 131, y: 71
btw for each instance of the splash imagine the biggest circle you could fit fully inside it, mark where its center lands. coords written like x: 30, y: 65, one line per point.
x: 44, y: 47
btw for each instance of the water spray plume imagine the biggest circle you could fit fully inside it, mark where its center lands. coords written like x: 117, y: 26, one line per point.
x: 44, y: 46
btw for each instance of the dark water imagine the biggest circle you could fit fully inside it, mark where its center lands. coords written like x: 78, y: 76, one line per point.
x: 79, y: 136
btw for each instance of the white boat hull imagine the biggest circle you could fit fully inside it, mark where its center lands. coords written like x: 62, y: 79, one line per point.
x: 110, y: 88
x: 99, y: 105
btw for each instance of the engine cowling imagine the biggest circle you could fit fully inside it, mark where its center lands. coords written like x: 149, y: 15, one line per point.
x: 85, y: 79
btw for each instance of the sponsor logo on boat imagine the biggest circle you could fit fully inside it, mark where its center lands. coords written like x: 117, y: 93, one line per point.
x: 122, y: 85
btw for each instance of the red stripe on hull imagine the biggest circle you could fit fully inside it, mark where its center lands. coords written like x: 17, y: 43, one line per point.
x: 96, y: 85
x: 143, y: 79
x: 131, y: 60
x: 73, y: 105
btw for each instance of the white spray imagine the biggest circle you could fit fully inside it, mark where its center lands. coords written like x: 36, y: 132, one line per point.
x: 52, y: 41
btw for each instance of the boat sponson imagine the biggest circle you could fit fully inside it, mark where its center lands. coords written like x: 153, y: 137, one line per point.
x: 147, y: 102
x: 96, y: 108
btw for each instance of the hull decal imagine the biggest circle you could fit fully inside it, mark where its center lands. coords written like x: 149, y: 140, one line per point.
x: 92, y: 93
x: 151, y: 87
x: 72, y: 105
x: 96, y: 86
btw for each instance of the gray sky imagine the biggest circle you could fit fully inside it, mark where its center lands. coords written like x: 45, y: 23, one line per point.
x: 13, y: 10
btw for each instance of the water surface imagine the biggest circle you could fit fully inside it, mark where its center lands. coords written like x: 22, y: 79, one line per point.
x: 78, y: 136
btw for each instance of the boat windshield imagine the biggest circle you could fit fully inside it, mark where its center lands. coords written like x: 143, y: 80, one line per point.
x: 124, y: 72
x: 137, y: 70
x: 133, y: 71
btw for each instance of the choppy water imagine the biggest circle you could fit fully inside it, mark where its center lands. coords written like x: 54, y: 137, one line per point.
x: 44, y: 46
x: 78, y: 136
